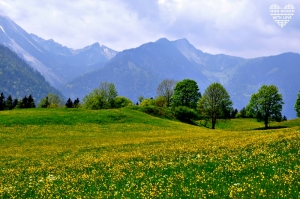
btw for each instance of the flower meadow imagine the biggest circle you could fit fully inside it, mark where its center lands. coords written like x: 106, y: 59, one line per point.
x: 61, y: 153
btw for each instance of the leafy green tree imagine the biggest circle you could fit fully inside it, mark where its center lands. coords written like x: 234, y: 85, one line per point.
x: 242, y: 113
x: 215, y: 103
x: 2, y: 102
x: 9, y: 103
x: 166, y: 89
x: 297, y: 105
x: 266, y: 104
x: 147, y: 102
x: 121, y: 101
x: 101, y: 98
x: 50, y: 101
x: 186, y: 93
x: 161, y: 101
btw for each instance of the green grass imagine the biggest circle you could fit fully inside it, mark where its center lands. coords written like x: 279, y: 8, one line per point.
x: 76, y: 153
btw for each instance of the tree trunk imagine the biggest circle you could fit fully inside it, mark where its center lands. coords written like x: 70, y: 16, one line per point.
x: 266, y: 122
x: 213, y: 123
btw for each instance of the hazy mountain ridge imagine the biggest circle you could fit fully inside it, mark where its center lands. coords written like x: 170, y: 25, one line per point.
x: 57, y: 63
x: 18, y: 79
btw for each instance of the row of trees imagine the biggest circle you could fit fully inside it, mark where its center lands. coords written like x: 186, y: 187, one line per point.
x: 9, y: 103
x: 265, y: 105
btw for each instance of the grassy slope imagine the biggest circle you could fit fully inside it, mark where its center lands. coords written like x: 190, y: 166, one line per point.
x: 124, y: 153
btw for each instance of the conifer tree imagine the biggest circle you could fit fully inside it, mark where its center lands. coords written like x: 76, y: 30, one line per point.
x: 69, y: 103
x: 30, y: 102
x: 8, y: 103
x: 15, y: 103
x: 76, y: 103
x: 2, y: 101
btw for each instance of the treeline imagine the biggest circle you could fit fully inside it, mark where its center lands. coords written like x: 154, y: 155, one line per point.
x: 9, y: 103
x: 179, y: 99
x: 184, y: 101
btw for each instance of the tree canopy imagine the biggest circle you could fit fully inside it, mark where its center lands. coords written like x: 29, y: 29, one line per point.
x: 266, y: 104
x: 186, y: 93
x: 297, y: 105
x: 166, y: 89
x: 101, y: 98
x: 215, y: 103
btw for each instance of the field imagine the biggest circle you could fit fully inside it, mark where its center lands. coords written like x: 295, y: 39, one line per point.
x: 76, y: 153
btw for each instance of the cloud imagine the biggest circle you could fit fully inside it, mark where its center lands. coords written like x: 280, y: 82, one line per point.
x: 236, y: 27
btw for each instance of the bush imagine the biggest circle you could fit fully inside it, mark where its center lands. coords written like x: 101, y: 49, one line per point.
x: 121, y: 101
x: 147, y: 102
x: 185, y: 114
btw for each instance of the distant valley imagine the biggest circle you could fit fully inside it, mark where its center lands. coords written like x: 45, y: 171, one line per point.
x: 138, y: 71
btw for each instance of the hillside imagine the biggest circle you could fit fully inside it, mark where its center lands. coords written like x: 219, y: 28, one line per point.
x: 46, y: 153
x: 18, y: 79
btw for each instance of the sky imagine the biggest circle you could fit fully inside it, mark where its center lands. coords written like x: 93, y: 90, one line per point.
x: 243, y: 28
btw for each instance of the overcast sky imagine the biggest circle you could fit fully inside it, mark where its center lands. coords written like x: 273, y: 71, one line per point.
x: 235, y: 27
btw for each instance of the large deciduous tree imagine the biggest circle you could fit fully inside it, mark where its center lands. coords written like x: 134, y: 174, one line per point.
x: 186, y: 93
x: 101, y: 98
x: 297, y: 105
x: 215, y: 103
x: 266, y: 104
x: 166, y: 90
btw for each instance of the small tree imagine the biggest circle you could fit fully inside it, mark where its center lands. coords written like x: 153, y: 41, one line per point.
x: 141, y: 98
x: 297, y: 105
x: 76, y: 103
x: 15, y: 103
x: 50, y: 101
x: 2, y: 102
x: 266, y: 104
x: 214, y: 103
x: 186, y: 93
x: 161, y: 101
x: 166, y: 89
x: 101, y: 98
x: 9, y: 103
x: 30, y: 102
x: 69, y: 103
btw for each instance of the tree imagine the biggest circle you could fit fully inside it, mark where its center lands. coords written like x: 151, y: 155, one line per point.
x: 9, y: 103
x: 121, y: 101
x: 186, y: 93
x: 50, y: 101
x: 141, y: 98
x: 215, y: 103
x: 166, y: 89
x: 161, y: 101
x: 30, y: 102
x: 76, y: 103
x: 147, y: 102
x: 297, y: 105
x: 69, y: 103
x: 266, y: 104
x: 2, y: 102
x: 15, y: 103
x: 101, y: 98
x: 233, y: 113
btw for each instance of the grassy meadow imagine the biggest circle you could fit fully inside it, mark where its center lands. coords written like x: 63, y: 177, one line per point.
x: 123, y: 153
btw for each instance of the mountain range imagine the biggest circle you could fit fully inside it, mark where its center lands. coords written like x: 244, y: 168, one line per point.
x: 139, y: 71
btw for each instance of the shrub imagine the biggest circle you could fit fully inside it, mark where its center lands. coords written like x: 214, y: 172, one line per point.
x: 185, y: 114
